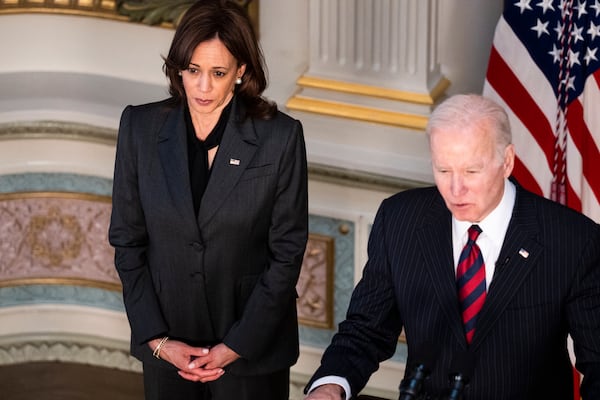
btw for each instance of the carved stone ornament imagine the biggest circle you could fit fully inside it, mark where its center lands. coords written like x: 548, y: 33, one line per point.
x: 154, y: 12
x: 56, y: 237
x: 166, y: 13
x: 64, y: 351
x: 315, y: 285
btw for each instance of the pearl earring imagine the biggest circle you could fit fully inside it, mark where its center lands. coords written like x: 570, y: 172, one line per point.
x: 238, y: 81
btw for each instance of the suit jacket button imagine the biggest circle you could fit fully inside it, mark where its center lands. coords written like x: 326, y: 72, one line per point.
x: 197, y: 246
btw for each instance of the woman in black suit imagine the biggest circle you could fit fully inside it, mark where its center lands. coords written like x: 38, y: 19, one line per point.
x: 210, y: 219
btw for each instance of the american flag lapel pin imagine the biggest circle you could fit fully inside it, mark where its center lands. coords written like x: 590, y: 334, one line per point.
x: 234, y: 161
x: 523, y: 253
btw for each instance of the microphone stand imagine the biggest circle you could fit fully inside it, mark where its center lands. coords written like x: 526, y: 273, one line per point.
x: 461, y: 368
x: 410, y: 388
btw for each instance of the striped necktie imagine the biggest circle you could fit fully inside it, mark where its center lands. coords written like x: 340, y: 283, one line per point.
x: 470, y: 280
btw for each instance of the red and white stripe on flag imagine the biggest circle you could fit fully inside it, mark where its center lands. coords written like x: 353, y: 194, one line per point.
x: 544, y: 69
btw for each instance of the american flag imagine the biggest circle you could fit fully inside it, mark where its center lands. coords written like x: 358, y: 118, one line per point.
x: 544, y: 69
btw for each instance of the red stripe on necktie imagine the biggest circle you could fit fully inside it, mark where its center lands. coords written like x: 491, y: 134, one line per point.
x: 470, y: 277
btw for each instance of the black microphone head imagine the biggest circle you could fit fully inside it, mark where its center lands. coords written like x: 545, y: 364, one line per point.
x: 463, y: 364
x: 423, y: 358
x: 426, y: 355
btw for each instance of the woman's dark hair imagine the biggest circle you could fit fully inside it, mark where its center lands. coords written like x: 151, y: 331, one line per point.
x: 228, y: 21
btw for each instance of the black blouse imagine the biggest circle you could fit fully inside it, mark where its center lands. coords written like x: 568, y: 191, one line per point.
x: 198, y: 153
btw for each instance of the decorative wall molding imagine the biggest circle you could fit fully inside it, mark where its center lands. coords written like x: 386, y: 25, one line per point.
x: 357, y: 112
x: 65, y: 332
x: 315, y: 284
x: 375, y: 91
x: 55, y: 182
x: 63, y: 292
x: 368, y: 103
x: 154, y: 12
x: 342, y: 234
x: 57, y: 130
x: 360, y: 179
x: 170, y: 12
x: 88, y: 8
x: 165, y: 13
x: 56, y: 238
x: 68, y: 351
x: 89, y: 133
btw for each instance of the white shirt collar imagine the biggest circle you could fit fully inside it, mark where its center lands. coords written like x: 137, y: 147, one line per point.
x: 496, y: 223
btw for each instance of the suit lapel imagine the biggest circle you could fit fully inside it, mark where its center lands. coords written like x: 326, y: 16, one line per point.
x: 519, y: 252
x: 172, y: 150
x: 436, y: 234
x: 237, y: 148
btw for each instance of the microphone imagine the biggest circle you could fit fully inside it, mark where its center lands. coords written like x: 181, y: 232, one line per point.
x: 410, y: 387
x: 461, y: 371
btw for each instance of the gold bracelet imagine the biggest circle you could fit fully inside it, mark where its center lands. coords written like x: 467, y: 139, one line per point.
x: 156, y: 352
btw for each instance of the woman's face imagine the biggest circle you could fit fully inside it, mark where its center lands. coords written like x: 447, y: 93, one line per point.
x: 210, y: 78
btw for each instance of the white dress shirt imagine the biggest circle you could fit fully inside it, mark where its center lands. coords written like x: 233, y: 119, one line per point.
x: 493, y: 230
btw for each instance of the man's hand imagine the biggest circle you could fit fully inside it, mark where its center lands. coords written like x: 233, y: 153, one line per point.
x: 327, y: 392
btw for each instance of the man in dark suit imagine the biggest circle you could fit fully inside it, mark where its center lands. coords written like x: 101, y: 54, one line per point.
x: 486, y: 278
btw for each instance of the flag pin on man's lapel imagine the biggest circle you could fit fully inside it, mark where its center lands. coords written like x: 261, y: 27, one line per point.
x: 523, y: 253
x: 234, y: 161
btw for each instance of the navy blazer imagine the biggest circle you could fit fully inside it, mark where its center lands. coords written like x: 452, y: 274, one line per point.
x: 546, y: 285
x: 228, y: 275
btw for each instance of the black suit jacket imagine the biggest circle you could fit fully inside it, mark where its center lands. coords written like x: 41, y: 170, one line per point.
x: 228, y: 275
x: 537, y: 297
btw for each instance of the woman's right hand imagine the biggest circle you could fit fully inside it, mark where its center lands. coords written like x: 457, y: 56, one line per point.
x: 180, y: 354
